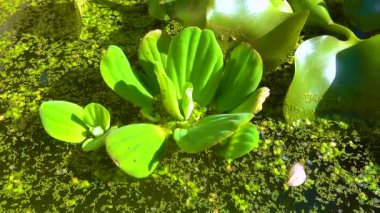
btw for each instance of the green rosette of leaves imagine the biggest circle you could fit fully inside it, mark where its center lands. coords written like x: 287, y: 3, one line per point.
x: 333, y: 76
x: 270, y: 26
x: 182, y: 78
x: 72, y: 123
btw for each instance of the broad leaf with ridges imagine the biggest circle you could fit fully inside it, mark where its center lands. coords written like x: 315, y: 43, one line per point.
x: 62, y: 121
x: 195, y: 56
x: 241, y: 77
x: 119, y: 76
x: 209, y: 131
x: 153, y: 48
x: 136, y: 148
x: 245, y: 139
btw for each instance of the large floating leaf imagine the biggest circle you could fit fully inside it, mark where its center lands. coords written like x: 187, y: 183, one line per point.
x: 335, y: 77
x: 241, y: 77
x: 364, y: 14
x: 209, y: 131
x: 153, y: 48
x: 269, y: 26
x: 117, y: 73
x: 62, y: 121
x: 242, y: 142
x: 319, y: 15
x: 195, y: 56
x: 136, y: 148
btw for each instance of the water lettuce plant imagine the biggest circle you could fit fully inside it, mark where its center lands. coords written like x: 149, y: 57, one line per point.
x: 334, y: 76
x: 186, y: 91
x: 270, y: 26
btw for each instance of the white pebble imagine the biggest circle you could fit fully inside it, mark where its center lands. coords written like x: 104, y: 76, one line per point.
x: 297, y: 175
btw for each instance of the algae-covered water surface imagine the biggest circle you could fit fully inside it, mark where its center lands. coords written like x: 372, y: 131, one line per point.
x: 51, y: 50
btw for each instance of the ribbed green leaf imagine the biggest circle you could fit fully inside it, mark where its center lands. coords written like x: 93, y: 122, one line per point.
x: 96, y: 115
x: 195, y: 56
x: 153, y: 48
x: 209, y: 131
x: 136, y: 148
x: 117, y: 73
x: 62, y: 121
x: 241, y: 77
x: 242, y: 142
x: 168, y: 92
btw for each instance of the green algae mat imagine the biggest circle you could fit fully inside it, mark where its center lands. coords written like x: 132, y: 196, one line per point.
x: 51, y: 50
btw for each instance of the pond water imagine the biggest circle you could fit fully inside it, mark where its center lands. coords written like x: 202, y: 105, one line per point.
x: 49, y: 55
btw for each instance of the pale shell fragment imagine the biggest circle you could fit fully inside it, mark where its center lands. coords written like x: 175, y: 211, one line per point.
x: 297, y: 175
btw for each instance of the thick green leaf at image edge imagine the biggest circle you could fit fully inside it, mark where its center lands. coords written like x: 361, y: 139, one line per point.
x: 209, y: 131
x: 136, y: 148
x: 334, y: 77
x: 63, y: 121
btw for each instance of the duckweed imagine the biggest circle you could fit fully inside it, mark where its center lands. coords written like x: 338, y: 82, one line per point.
x: 40, y: 174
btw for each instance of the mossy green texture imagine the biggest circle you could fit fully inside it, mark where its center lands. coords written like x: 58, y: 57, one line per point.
x: 41, y: 174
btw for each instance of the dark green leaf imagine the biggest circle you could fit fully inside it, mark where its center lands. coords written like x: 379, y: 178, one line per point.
x: 364, y: 14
